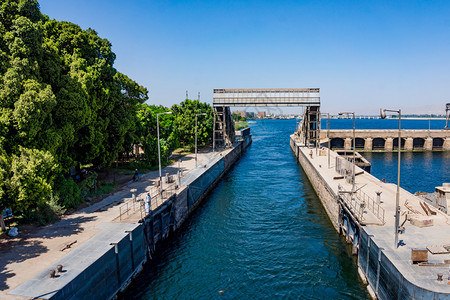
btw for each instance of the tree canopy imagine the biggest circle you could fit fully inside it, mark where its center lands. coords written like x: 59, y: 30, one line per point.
x: 185, y: 121
x: 62, y: 103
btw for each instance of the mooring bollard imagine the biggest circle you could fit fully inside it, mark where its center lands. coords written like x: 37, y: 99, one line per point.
x: 133, y: 194
x: 378, y: 196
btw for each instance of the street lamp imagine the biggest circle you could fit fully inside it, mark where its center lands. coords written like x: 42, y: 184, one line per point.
x: 328, y: 136
x: 202, y: 114
x: 354, y: 148
x: 397, y: 197
x: 159, y: 149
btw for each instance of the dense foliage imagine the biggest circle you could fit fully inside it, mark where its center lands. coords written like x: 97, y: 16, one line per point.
x: 147, y: 136
x: 62, y: 103
x: 185, y: 114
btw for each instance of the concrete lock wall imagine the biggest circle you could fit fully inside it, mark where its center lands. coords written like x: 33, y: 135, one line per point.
x: 374, y: 265
x: 103, y: 277
x: 385, y: 279
x: 323, y: 190
x: 94, y: 269
x: 433, y: 140
x: 99, y: 270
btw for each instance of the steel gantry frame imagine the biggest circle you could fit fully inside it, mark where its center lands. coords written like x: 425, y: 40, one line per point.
x: 223, y: 99
x: 447, y: 115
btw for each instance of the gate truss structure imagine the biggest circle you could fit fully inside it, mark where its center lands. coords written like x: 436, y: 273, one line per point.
x: 447, y: 115
x: 223, y: 99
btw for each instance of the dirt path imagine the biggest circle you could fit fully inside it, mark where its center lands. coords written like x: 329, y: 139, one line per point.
x: 37, y: 248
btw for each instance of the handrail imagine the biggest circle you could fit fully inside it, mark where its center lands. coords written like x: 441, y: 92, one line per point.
x: 157, y: 198
x: 375, y: 205
x: 357, y: 207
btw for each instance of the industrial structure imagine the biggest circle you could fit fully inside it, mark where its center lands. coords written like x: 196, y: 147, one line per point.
x: 447, y: 115
x: 223, y: 99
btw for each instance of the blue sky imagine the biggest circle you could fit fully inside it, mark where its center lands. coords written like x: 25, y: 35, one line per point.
x: 363, y: 55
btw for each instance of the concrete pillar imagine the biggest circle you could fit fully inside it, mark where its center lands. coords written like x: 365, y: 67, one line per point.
x: 348, y: 144
x: 409, y: 144
x: 428, y: 146
x: 446, y: 145
x: 389, y: 144
x: 368, y: 144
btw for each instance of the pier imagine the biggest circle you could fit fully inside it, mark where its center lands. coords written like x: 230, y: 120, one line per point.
x: 387, y: 140
x: 365, y: 216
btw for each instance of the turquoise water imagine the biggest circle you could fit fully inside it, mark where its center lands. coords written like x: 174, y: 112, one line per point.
x: 263, y: 234
x: 419, y: 171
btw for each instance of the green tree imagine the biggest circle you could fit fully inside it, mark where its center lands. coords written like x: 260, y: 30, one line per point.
x: 62, y: 103
x: 146, y: 131
x: 185, y: 122
x: 31, y: 178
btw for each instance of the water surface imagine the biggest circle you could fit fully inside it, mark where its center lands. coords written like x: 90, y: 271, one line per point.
x: 261, y: 234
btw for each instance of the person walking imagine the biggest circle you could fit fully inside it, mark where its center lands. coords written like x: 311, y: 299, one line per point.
x: 147, y: 203
x: 136, y: 175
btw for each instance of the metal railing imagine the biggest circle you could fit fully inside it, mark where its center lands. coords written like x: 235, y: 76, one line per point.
x: 345, y: 168
x: 157, y: 199
x: 360, y: 201
x: 130, y: 206
x: 355, y: 206
x: 372, y: 205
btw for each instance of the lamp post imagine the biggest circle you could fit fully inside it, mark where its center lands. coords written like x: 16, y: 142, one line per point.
x: 196, y: 115
x: 354, y: 148
x: 397, y: 196
x: 159, y: 150
x: 328, y: 136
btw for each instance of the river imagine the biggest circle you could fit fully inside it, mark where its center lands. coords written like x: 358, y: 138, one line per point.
x: 262, y: 233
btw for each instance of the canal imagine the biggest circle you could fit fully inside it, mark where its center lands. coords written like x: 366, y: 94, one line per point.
x: 261, y: 233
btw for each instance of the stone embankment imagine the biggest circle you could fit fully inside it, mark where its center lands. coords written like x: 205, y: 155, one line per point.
x: 419, y: 267
x: 120, y: 237
x: 387, y: 140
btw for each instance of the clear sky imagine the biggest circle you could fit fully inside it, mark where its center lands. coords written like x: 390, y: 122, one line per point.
x: 363, y: 55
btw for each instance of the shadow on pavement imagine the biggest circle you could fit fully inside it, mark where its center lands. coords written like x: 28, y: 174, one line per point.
x: 27, y: 246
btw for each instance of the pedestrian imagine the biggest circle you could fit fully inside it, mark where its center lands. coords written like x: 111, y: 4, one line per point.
x: 311, y: 153
x: 135, y: 176
x: 147, y: 203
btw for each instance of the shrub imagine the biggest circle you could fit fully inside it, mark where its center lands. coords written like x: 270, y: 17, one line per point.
x: 66, y: 193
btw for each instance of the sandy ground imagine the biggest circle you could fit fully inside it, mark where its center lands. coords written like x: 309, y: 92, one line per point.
x: 36, y: 248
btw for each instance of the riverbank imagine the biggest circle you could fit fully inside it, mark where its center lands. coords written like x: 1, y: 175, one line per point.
x: 81, y: 240
x: 369, y: 225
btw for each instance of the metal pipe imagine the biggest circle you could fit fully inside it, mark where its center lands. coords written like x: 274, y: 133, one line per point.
x: 202, y: 114
x: 354, y: 148
x: 354, y: 153
x: 328, y: 136
x: 159, y: 149
x: 397, y: 196
x: 214, y: 131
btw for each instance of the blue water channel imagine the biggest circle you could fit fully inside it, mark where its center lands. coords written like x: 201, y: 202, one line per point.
x: 261, y: 233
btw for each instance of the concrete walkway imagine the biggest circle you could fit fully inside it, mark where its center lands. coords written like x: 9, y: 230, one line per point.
x: 32, y: 254
x: 414, y: 237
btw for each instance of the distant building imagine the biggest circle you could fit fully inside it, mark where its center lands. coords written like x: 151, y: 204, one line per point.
x: 261, y: 114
